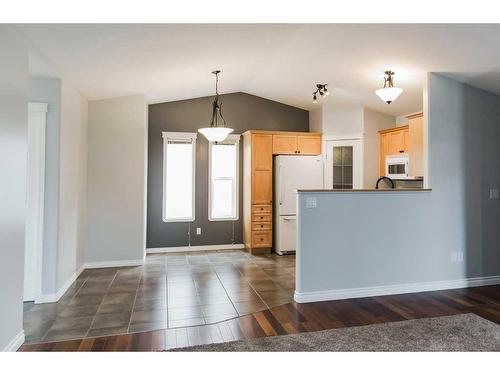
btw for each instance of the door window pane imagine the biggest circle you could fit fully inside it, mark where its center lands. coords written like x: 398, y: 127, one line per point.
x: 342, y: 167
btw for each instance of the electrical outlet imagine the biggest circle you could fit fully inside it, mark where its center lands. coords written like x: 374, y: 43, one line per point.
x: 198, y: 231
x: 456, y: 257
x: 311, y: 202
x: 494, y: 193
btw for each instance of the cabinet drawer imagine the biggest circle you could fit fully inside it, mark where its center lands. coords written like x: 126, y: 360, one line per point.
x: 262, y: 208
x: 262, y: 217
x: 262, y: 225
x: 262, y: 239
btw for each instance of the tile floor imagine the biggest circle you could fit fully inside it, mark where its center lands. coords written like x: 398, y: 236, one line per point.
x: 168, y: 291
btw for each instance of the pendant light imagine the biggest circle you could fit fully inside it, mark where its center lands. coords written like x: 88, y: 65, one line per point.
x: 216, y: 132
x: 389, y: 93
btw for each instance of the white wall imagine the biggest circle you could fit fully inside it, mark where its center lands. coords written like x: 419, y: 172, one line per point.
x: 342, y: 118
x: 316, y: 119
x: 13, y: 158
x: 72, y: 183
x: 116, y: 180
x: 342, y: 252
x: 373, y: 121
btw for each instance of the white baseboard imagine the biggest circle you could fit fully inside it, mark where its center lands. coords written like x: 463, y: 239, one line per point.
x: 334, y: 294
x: 15, y: 343
x: 177, y: 249
x: 54, y: 297
x: 114, y: 263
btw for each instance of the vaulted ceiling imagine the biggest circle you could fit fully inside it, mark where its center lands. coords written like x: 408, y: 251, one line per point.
x: 282, y: 62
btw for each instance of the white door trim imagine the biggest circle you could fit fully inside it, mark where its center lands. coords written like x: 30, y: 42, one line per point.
x: 357, y: 144
x: 37, y: 118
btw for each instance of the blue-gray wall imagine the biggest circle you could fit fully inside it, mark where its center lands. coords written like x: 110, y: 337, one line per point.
x: 357, y: 240
x: 48, y: 90
x: 13, y: 158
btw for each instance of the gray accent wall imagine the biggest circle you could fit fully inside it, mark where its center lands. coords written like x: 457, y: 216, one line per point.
x: 367, y: 239
x: 242, y: 112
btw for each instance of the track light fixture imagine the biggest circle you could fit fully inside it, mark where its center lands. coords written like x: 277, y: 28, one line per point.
x: 321, y: 90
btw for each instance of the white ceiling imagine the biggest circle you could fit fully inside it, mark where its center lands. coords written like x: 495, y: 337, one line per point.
x: 280, y: 62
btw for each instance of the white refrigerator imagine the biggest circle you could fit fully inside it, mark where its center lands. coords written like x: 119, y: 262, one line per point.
x: 292, y: 173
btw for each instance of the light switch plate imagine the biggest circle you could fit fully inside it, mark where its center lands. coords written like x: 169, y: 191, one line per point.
x: 198, y: 231
x: 311, y: 202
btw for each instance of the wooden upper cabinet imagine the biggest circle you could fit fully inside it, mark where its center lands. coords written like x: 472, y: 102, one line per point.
x: 262, y: 152
x: 292, y: 144
x: 309, y: 144
x: 384, y: 150
x: 416, y: 144
x: 404, y: 139
x: 396, y: 142
x: 284, y: 144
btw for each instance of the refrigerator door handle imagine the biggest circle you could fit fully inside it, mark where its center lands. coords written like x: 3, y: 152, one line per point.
x: 289, y: 218
x: 282, y: 181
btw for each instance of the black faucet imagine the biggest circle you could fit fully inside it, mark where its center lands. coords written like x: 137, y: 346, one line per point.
x: 385, y: 178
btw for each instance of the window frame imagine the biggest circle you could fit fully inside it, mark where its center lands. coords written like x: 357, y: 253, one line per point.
x: 230, y: 140
x: 179, y: 136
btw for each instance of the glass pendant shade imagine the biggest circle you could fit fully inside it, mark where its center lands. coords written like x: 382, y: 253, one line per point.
x: 389, y: 94
x: 215, y: 134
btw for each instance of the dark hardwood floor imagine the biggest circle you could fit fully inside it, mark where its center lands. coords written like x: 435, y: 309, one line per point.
x: 293, y: 318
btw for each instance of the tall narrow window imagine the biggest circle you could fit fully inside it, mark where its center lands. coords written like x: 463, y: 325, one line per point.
x: 223, y: 179
x: 179, y: 158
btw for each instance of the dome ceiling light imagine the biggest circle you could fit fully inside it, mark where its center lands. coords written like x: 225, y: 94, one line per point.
x: 389, y: 93
x: 321, y: 90
x: 217, y: 131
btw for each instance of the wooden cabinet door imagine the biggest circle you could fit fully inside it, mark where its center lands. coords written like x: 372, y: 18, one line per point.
x: 284, y: 144
x: 262, y: 168
x: 262, y: 187
x: 396, y: 142
x: 384, y: 151
x: 416, y: 146
x: 309, y: 145
x: 406, y: 140
x: 262, y: 152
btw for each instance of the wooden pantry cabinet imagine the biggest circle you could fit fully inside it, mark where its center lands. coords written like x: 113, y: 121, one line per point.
x: 406, y: 139
x: 258, y: 149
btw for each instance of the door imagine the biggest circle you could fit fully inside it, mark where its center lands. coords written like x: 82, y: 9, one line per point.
x: 284, y: 144
x: 343, y: 167
x: 34, y: 200
x: 292, y: 173
x: 309, y: 145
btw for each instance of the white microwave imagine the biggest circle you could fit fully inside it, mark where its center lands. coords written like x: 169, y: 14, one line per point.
x: 397, y: 166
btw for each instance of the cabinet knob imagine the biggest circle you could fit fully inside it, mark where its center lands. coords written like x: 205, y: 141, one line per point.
x: 262, y: 217
x: 262, y: 226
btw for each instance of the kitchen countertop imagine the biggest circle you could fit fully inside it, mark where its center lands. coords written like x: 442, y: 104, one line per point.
x: 403, y: 190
